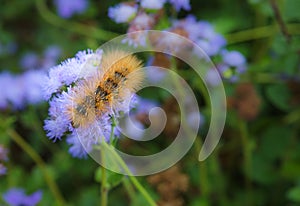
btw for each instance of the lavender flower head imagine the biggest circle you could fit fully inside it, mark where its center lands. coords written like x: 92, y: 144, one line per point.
x: 3, y: 158
x: 152, y: 4
x: 181, y: 4
x: 233, y: 65
x: 122, y: 13
x: 67, y: 8
x: 21, y: 89
x: 17, y: 197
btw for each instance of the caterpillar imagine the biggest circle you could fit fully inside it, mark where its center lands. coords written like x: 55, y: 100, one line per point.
x: 116, y: 80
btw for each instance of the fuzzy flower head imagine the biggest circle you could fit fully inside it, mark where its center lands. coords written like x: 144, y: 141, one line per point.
x: 152, y: 4
x: 233, y: 65
x: 122, y: 13
x: 22, y: 89
x: 95, y: 87
x: 67, y: 8
x: 181, y: 4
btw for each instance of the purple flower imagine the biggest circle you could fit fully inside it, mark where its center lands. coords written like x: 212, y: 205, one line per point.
x: 14, y: 94
x: 122, y: 13
x: 21, y: 89
x: 213, y: 78
x: 3, y: 169
x: 33, y: 81
x: 51, y: 54
x: 3, y: 153
x: 67, y: 8
x: 203, y: 34
x: 17, y: 197
x: 233, y: 58
x: 152, y: 4
x: 83, y: 65
x: 181, y: 4
x: 29, y: 61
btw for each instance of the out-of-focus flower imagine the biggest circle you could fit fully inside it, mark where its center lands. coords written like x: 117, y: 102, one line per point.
x: 67, y: 8
x: 17, y: 197
x: 3, y: 169
x: 29, y: 61
x: 3, y: 158
x: 21, y: 89
x: 202, y: 33
x: 51, y: 55
x: 152, y: 4
x: 233, y: 65
x: 213, y: 78
x: 142, y: 21
x: 122, y: 13
x: 233, y: 58
x: 181, y: 4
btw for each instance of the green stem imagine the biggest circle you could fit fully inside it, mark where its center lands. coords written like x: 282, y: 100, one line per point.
x: 40, y: 163
x: 129, y: 188
x: 104, y: 189
x: 260, y: 32
x: 132, y: 178
x: 204, y: 185
x: 247, y: 157
x: 72, y: 26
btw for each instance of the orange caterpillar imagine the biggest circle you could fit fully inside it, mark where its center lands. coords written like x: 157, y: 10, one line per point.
x: 118, y: 78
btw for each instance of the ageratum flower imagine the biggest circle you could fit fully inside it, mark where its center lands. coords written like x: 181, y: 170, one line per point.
x: 152, y: 4
x: 17, y: 197
x: 84, y: 92
x: 181, y: 4
x: 3, y: 158
x: 21, y: 89
x: 233, y: 65
x: 122, y: 13
x: 67, y: 8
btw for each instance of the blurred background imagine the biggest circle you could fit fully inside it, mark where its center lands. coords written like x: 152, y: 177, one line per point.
x: 256, y: 50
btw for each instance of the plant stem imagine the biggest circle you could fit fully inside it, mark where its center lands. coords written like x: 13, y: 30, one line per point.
x: 132, y: 178
x: 40, y: 163
x: 260, y: 32
x: 104, y: 189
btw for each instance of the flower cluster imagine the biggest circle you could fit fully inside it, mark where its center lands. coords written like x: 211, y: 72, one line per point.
x: 67, y: 8
x: 3, y: 158
x: 21, y: 89
x: 17, y: 197
x: 31, y: 60
x: 144, y: 15
x: 84, y: 92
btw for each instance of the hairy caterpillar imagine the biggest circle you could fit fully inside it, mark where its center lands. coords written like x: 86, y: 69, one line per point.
x: 104, y: 93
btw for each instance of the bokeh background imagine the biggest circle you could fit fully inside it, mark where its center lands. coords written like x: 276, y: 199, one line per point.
x: 257, y: 161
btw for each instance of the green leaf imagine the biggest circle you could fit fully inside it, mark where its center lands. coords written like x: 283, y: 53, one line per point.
x: 294, y: 194
x: 291, y: 11
x: 279, y: 95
